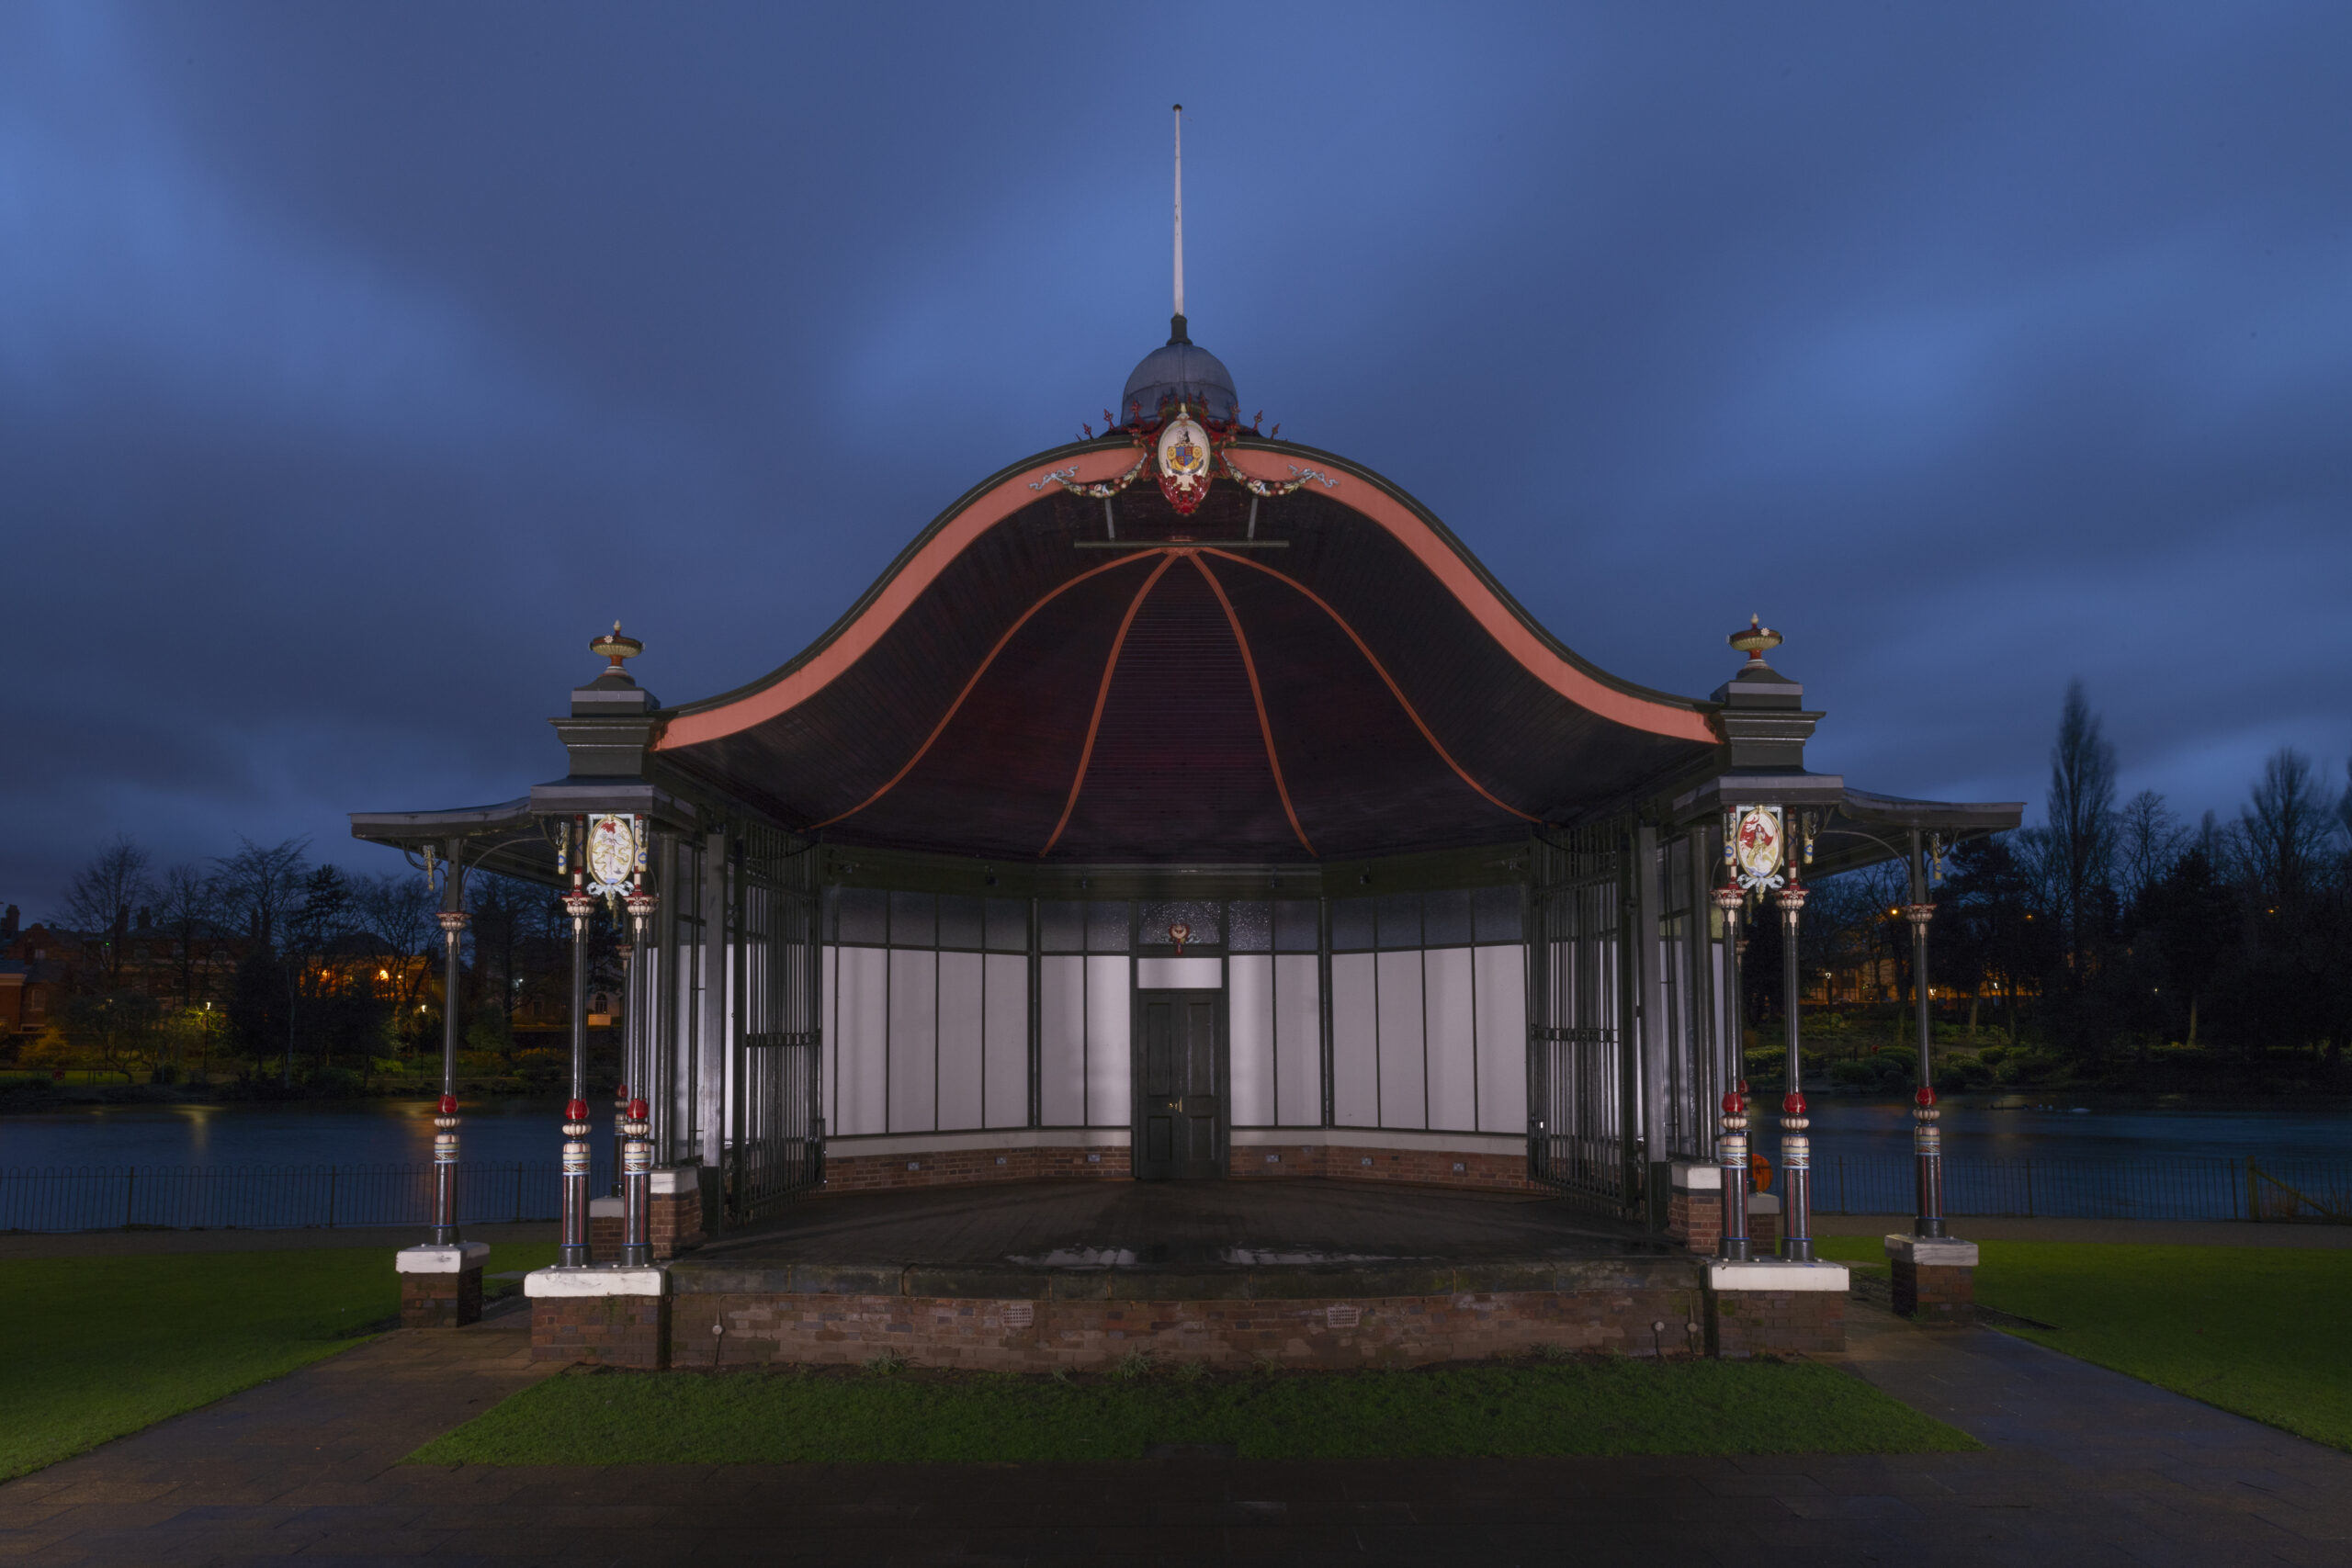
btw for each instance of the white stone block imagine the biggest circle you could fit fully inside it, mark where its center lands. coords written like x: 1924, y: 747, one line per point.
x: 455, y: 1260
x: 596, y: 1279
x: 1776, y: 1275
x: 606, y: 1208
x: 1940, y: 1252
x: 1690, y: 1176
x: 675, y: 1180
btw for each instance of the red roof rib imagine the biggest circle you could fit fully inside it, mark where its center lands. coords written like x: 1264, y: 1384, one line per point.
x: 1103, y: 695
x: 1379, y: 669
x: 1256, y: 696
x: 956, y: 707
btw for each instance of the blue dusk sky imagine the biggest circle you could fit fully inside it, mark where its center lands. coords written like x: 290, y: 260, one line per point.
x: 359, y: 362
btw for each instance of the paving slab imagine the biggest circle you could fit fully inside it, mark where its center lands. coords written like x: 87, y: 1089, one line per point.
x: 2086, y: 1466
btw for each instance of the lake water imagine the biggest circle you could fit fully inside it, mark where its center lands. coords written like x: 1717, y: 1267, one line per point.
x: 373, y: 1131
x: 388, y: 1131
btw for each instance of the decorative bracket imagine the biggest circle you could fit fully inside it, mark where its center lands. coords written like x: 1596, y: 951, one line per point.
x: 1271, y: 488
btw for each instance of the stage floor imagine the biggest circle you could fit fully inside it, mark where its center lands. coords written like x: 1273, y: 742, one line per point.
x: 1190, y: 1226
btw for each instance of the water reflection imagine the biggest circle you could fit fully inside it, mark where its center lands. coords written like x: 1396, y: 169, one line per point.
x: 362, y: 1132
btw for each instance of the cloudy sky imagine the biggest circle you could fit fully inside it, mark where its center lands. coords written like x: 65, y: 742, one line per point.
x: 358, y: 363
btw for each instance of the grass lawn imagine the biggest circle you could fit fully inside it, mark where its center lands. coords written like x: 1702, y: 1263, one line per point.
x: 1585, y: 1405
x: 100, y: 1346
x: 2252, y: 1329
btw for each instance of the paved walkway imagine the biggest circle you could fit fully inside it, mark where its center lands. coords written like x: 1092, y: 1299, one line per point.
x: 2086, y: 1467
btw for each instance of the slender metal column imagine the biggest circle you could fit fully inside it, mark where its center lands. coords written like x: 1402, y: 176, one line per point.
x: 445, y: 1118
x: 572, y: 1250
x: 1732, y: 1149
x: 1926, y: 1139
x: 635, y: 1164
x: 1797, y: 1149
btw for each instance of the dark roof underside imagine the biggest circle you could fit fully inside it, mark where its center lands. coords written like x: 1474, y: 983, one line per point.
x: 1177, y: 768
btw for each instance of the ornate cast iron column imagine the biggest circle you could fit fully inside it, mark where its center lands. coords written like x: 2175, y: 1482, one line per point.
x: 1732, y: 1149
x: 1797, y: 1149
x: 636, y: 1150
x: 1926, y: 1139
x: 571, y: 1251
x: 445, y: 1118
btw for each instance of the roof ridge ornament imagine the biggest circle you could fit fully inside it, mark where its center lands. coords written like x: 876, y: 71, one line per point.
x: 1755, y: 639
x: 617, y: 649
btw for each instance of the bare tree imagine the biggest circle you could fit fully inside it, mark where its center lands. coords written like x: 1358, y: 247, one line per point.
x: 188, y: 905
x: 2285, y: 831
x: 397, y: 911
x: 103, y: 896
x: 2149, y: 841
x: 262, y: 886
x: 2081, y: 842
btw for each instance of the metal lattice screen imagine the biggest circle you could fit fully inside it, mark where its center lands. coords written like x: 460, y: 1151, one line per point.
x: 1580, y: 1075
x: 776, y: 1146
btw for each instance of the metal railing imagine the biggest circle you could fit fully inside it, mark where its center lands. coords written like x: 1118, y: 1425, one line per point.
x: 266, y: 1197
x: 2194, y: 1187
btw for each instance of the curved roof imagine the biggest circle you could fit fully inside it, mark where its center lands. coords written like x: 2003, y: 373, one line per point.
x: 1348, y: 682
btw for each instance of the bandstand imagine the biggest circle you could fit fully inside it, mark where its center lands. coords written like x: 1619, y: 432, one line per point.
x: 1185, y: 903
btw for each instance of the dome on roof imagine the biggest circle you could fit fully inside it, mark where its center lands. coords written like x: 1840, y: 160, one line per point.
x: 1180, y: 372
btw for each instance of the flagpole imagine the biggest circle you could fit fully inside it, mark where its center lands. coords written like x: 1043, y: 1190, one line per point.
x: 1180, y: 214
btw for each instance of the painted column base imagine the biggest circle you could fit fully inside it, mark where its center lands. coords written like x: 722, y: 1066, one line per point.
x: 604, y: 1315
x: 1775, y: 1309
x: 1935, y: 1281
x: 441, y: 1286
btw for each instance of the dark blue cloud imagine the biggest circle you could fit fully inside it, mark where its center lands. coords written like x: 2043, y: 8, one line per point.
x: 356, y: 365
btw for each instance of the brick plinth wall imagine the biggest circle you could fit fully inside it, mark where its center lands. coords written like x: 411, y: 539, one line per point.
x: 441, y: 1300
x: 1763, y: 1233
x: 610, y: 1331
x: 1694, y: 1221
x: 1420, y: 1167
x: 1774, y: 1323
x: 1038, y: 1335
x: 964, y: 1168
x: 674, y: 1224
x: 1931, y: 1295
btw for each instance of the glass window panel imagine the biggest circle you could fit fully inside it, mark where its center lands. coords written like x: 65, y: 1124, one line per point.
x: 1400, y: 919
x: 959, y: 921
x: 1351, y: 924
x: 914, y: 920
x: 1294, y: 925
x: 1250, y: 925
x: 1106, y: 925
x: 864, y: 916
x: 1061, y: 926
x: 1499, y: 914
x: 1445, y: 919
x: 1206, y: 917
x: 1008, y: 923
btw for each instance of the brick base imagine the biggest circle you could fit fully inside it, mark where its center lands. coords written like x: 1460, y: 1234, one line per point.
x: 1038, y: 1335
x: 611, y: 1331
x: 1932, y: 1296
x: 1774, y: 1323
x: 441, y: 1300
x: 964, y: 1168
x: 672, y: 1223
x: 1694, y: 1221
x: 1420, y: 1167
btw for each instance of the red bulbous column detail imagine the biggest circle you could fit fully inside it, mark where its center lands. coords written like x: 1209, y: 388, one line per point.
x: 1732, y: 1167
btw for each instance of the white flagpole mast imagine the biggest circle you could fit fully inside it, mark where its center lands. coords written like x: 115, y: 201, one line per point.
x: 1179, y: 219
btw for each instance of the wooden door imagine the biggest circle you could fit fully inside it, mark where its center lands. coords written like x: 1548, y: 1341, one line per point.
x: 1180, y: 1077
